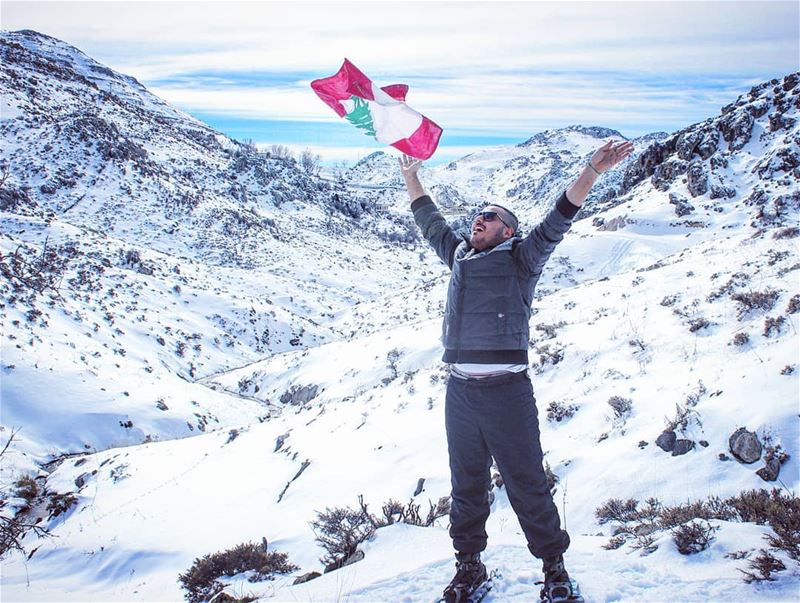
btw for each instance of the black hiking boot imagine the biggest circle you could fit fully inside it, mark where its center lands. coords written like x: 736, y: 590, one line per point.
x: 470, y: 574
x: 558, y: 587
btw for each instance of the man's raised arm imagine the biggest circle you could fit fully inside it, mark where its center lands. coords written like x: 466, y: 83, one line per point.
x: 536, y: 248
x: 409, y: 168
x: 433, y: 226
x: 605, y: 158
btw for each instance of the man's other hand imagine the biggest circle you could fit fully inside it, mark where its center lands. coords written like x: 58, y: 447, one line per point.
x: 409, y: 165
x: 610, y: 154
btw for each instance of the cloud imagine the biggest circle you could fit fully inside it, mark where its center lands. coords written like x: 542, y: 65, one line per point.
x: 508, y: 68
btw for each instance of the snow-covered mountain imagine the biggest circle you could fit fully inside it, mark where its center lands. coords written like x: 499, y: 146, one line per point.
x: 204, y: 345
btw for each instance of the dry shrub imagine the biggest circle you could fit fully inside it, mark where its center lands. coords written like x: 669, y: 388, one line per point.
x: 201, y: 580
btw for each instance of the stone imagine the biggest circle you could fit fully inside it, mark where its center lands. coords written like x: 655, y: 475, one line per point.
x: 737, y: 128
x: 770, y: 471
x: 722, y: 192
x: 745, y: 446
x: 697, y: 179
x: 666, y: 441
x: 298, y: 395
x: 306, y: 577
x: 613, y: 224
x: 665, y: 173
x: 682, y: 446
x: 681, y: 203
x: 643, y: 444
x: 354, y: 558
x: 708, y: 145
x: 357, y: 556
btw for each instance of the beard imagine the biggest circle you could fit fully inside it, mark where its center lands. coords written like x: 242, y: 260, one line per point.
x: 483, y: 240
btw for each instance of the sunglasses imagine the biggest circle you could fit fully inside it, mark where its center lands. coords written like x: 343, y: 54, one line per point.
x: 490, y: 216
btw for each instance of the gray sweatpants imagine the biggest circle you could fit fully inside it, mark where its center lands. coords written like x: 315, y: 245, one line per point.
x: 496, y: 417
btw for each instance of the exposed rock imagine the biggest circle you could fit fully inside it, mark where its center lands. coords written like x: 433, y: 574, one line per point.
x: 770, y: 471
x: 420, y: 485
x: 697, y: 179
x: 785, y: 159
x: 779, y: 121
x: 298, y: 394
x: 697, y: 142
x: 791, y: 80
x: 722, y: 192
x: 354, y: 558
x: 719, y: 161
x: 737, y: 128
x: 665, y: 173
x: 681, y: 203
x: 306, y: 577
x: 666, y: 441
x: 646, y: 163
x: 280, y: 441
x: 613, y: 224
x: 682, y: 446
x: 709, y: 144
x: 745, y: 446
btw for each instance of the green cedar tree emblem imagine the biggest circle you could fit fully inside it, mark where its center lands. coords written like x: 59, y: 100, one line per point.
x: 360, y: 116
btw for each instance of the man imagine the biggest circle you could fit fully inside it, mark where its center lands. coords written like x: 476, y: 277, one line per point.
x: 489, y: 406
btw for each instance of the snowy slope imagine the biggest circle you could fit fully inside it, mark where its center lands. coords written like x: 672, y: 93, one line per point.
x: 200, y: 376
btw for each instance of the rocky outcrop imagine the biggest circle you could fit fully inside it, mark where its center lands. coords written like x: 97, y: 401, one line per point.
x: 681, y: 203
x: 702, y: 151
x: 665, y: 173
x: 299, y: 394
x: 697, y: 179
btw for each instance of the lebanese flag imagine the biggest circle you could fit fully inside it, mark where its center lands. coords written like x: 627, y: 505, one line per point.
x: 381, y: 112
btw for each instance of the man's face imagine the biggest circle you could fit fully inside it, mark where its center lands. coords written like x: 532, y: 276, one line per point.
x: 488, y: 232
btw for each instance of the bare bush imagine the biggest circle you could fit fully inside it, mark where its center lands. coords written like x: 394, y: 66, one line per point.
x: 755, y: 300
x: 693, y: 537
x: 692, y: 533
x: 763, y: 567
x: 340, y: 530
x: 622, y: 407
x: 740, y: 339
x: 281, y: 151
x: 310, y: 161
x: 559, y: 411
x: 201, y: 581
x: 39, y: 272
x: 13, y: 529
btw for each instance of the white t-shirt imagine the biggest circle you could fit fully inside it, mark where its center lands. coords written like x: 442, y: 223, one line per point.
x: 477, y: 370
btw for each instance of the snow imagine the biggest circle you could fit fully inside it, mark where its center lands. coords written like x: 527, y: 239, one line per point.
x: 166, y: 392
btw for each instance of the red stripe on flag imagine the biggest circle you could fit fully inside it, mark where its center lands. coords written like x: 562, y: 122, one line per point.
x: 423, y: 142
x: 396, y: 91
x: 342, y: 85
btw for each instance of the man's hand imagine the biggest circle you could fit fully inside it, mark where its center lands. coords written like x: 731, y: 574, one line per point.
x: 610, y: 154
x: 603, y: 159
x: 409, y: 166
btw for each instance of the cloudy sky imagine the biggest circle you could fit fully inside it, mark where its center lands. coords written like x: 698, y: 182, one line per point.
x: 488, y: 72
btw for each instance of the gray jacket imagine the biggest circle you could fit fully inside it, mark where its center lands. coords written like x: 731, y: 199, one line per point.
x: 490, y: 292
